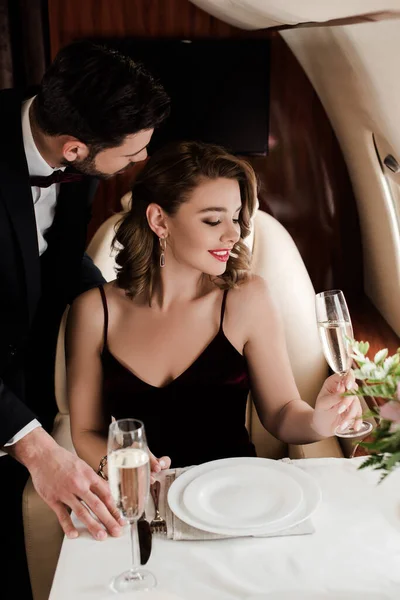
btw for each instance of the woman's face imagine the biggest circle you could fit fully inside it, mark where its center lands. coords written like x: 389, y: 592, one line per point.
x: 206, y: 227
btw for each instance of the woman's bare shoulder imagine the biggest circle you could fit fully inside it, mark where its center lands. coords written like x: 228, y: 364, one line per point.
x: 251, y: 302
x: 253, y: 290
x: 92, y: 299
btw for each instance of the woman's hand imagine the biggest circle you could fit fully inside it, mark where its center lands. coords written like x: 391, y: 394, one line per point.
x: 157, y: 465
x: 332, y: 410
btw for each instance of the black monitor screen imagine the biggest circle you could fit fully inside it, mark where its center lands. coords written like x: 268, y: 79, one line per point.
x: 219, y: 89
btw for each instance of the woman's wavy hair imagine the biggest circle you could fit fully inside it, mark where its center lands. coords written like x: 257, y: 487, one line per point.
x: 168, y: 179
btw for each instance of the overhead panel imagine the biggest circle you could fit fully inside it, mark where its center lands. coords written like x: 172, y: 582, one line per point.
x: 261, y: 14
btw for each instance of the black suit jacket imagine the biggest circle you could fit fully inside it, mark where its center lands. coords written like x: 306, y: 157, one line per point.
x: 34, y: 291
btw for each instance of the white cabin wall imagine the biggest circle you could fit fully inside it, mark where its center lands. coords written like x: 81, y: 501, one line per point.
x: 354, y: 70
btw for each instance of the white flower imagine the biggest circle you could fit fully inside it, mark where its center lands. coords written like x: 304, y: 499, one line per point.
x: 380, y: 355
x: 388, y: 363
x: 358, y: 356
x: 378, y: 373
x: 367, y: 368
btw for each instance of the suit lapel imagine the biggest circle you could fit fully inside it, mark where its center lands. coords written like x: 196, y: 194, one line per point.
x: 16, y: 193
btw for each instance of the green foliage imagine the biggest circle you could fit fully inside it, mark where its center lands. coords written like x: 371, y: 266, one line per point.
x: 379, y: 378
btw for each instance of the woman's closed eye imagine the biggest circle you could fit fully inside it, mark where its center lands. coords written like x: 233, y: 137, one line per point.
x: 214, y: 223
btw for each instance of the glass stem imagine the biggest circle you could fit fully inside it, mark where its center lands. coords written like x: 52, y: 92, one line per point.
x: 134, y: 547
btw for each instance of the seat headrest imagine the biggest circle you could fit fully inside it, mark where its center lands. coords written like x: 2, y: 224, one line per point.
x: 126, y: 201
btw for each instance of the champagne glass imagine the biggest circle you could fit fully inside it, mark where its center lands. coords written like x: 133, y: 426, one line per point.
x: 129, y: 477
x: 335, y: 329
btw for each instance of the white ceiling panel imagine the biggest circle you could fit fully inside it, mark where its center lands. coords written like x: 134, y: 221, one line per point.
x: 259, y: 14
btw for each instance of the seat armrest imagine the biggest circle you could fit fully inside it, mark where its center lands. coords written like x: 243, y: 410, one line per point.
x: 62, y: 432
x: 327, y: 448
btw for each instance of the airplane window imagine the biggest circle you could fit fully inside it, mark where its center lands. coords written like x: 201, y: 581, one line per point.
x: 390, y: 180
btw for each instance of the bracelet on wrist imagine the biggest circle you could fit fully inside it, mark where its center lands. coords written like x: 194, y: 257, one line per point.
x: 102, y: 465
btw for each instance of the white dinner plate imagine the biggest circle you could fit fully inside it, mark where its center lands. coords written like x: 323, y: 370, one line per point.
x: 305, y: 595
x: 310, y: 488
x: 150, y: 595
x: 242, y: 496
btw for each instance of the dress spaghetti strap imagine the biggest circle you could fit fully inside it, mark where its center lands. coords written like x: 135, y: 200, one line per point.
x: 223, y: 309
x: 105, y: 307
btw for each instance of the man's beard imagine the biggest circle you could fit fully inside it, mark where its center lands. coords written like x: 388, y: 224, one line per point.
x: 87, y: 166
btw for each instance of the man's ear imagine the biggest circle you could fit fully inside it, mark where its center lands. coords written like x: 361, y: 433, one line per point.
x: 157, y: 220
x: 74, y: 150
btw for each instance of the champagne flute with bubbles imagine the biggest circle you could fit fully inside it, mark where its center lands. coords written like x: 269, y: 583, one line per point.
x: 129, y: 477
x: 335, y: 330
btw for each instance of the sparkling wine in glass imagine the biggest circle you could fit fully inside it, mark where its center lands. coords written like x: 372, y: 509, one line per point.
x: 335, y: 330
x: 129, y: 477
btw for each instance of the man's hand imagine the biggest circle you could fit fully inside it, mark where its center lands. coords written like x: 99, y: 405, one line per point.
x: 65, y: 481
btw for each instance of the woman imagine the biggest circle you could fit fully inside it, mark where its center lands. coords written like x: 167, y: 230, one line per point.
x: 184, y: 332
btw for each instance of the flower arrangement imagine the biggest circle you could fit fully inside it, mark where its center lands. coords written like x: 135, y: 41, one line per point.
x: 380, y: 378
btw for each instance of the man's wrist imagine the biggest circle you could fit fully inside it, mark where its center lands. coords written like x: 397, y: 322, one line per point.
x: 23, y: 432
x: 31, y: 447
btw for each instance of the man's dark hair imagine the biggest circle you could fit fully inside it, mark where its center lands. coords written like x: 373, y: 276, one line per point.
x: 99, y: 96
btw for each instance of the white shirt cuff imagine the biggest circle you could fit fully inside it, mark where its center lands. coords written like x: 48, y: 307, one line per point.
x: 23, y: 432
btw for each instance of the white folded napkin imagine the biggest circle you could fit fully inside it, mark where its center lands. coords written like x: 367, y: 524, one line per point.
x: 178, y: 530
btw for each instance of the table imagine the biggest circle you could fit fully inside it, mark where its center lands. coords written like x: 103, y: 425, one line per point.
x: 354, y: 553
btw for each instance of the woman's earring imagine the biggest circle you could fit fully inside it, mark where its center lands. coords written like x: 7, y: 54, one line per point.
x: 163, y: 244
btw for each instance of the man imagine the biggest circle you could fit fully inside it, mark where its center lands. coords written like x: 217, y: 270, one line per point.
x: 94, y: 113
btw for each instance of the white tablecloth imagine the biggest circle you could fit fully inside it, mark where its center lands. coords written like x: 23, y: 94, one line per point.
x: 354, y: 553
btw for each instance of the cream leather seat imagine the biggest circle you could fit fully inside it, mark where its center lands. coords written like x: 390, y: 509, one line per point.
x: 100, y: 249
x: 276, y: 258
